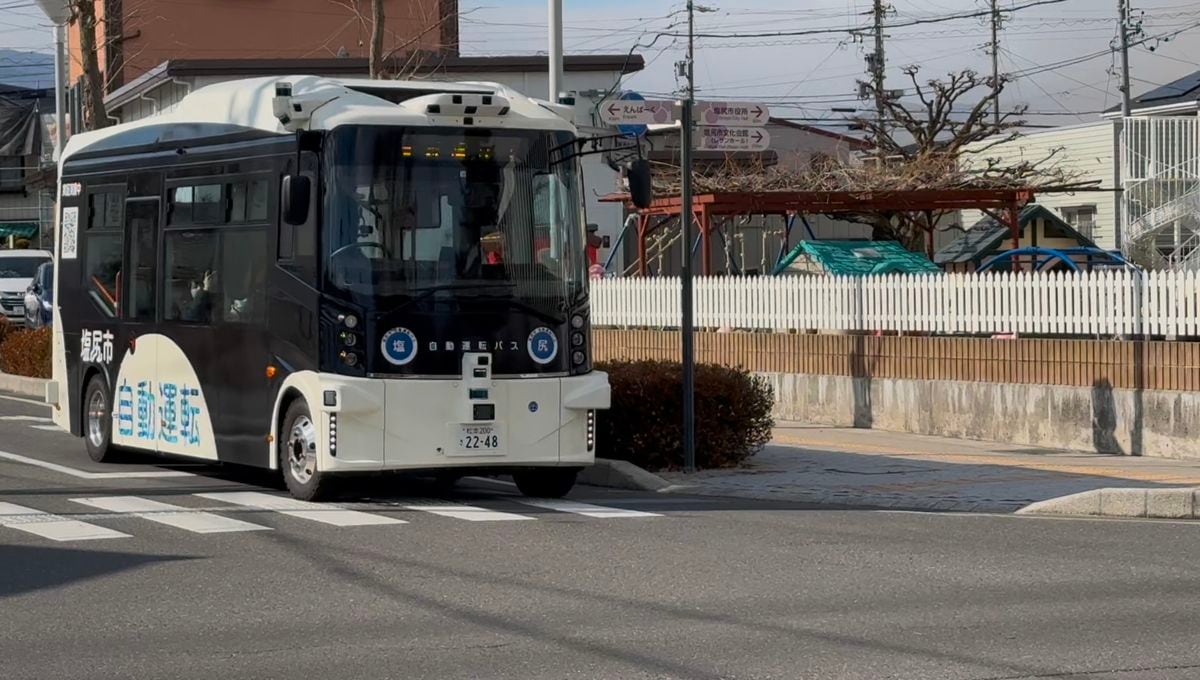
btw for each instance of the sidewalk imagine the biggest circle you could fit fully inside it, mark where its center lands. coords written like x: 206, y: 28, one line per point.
x: 895, y: 470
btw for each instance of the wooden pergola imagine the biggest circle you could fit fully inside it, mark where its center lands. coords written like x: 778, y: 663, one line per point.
x: 1004, y: 205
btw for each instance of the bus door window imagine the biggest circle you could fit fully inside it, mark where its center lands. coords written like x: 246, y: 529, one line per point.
x: 102, y: 248
x: 193, y: 285
x: 141, y: 217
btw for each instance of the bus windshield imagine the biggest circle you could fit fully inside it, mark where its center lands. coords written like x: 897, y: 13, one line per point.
x: 463, y: 212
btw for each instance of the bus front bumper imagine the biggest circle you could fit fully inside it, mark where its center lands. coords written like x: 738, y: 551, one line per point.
x: 373, y: 424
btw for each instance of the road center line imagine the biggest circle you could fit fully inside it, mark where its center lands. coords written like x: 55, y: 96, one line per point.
x: 84, y: 474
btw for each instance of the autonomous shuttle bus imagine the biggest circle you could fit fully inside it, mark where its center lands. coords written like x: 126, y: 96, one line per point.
x: 328, y: 277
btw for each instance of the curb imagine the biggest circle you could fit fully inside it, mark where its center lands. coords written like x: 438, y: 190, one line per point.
x: 26, y: 387
x: 621, y: 474
x: 1182, y: 503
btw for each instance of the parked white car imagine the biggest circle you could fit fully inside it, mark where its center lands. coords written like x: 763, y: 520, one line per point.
x: 17, y: 269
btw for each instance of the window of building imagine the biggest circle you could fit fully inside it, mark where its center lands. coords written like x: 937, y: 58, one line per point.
x: 1082, y: 218
x: 143, y: 258
x: 102, y: 270
x: 191, y: 281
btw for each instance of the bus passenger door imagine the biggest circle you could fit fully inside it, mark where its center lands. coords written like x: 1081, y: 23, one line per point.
x: 137, y: 396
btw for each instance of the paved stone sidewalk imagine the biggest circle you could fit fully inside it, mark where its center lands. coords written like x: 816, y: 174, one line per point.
x: 894, y: 470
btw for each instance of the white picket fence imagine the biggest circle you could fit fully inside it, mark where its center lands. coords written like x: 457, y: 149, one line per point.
x: 1106, y: 303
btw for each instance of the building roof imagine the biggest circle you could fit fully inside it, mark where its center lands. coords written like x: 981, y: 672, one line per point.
x: 989, y: 235
x: 1182, y: 93
x: 448, y: 65
x: 860, y: 258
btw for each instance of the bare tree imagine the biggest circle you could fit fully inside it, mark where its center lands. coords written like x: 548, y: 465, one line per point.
x: 378, y: 23
x: 83, y: 13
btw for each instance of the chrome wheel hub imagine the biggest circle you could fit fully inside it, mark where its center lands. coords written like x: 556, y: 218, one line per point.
x: 97, y: 411
x: 302, y: 449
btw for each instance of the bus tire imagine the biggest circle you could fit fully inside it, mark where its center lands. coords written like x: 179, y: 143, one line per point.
x: 298, y: 443
x: 546, y: 482
x: 97, y: 421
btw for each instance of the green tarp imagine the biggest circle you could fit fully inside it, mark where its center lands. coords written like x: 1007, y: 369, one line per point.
x: 18, y: 229
x: 859, y: 258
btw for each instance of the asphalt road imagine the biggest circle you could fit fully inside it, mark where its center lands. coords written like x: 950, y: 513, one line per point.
x: 409, y: 583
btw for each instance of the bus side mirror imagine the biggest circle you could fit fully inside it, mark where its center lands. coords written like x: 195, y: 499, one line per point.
x: 641, y: 187
x: 297, y: 192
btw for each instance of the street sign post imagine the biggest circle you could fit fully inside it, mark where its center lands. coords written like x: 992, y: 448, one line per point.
x: 732, y: 113
x: 726, y: 138
x: 637, y: 112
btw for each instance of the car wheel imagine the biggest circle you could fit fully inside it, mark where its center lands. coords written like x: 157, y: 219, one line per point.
x: 298, y: 443
x: 546, y: 483
x: 97, y: 421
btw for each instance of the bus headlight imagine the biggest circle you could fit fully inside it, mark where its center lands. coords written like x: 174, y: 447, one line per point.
x: 578, y: 357
x: 349, y: 358
x: 350, y: 320
x: 348, y: 339
x: 577, y: 339
x: 577, y: 322
x: 333, y: 434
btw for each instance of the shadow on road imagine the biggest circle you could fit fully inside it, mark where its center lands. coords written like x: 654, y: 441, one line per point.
x: 30, y: 569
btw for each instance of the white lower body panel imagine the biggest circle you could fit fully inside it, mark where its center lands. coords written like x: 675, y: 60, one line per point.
x: 393, y: 424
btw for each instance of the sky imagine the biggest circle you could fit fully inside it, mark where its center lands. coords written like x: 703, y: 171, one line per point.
x: 803, y: 77
x: 1061, y: 50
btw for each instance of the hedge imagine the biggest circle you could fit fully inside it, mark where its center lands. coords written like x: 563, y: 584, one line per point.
x: 645, y: 423
x: 26, y: 352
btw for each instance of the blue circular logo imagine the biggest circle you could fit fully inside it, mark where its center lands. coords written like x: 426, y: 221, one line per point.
x: 533, y: 407
x: 542, y: 345
x: 399, y: 346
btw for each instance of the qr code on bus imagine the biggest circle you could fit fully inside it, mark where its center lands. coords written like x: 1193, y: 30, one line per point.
x: 70, y: 233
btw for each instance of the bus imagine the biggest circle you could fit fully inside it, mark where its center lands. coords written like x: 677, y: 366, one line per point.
x: 326, y: 277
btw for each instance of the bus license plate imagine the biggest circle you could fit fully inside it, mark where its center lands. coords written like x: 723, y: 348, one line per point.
x: 478, y: 438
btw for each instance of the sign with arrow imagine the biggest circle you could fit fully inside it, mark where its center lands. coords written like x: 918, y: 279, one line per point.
x: 728, y: 138
x: 732, y: 113
x: 637, y: 112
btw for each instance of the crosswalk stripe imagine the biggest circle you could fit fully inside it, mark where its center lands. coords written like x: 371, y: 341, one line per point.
x: 585, y: 509
x: 31, y: 419
x: 48, y: 428
x: 317, y: 512
x: 52, y: 526
x: 470, y: 513
x: 171, y: 515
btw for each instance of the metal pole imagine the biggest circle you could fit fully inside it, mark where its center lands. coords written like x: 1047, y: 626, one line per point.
x: 1123, y: 9
x: 556, y: 50
x: 60, y: 86
x: 686, y: 216
x: 996, y: 61
x: 878, y: 73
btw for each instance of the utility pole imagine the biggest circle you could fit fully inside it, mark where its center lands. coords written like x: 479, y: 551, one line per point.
x: 1123, y: 11
x: 556, y: 50
x: 686, y: 215
x: 878, y: 66
x: 996, y: 62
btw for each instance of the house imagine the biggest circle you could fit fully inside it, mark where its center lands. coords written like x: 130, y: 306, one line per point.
x: 1160, y: 160
x: 855, y: 258
x: 25, y: 148
x: 1084, y: 151
x: 1041, y: 227
x: 138, y: 36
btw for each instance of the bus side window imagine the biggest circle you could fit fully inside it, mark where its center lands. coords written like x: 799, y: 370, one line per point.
x: 103, y: 251
x: 193, y: 286
x: 141, y: 217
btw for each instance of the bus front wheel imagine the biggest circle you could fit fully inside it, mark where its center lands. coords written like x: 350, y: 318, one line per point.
x: 298, y: 454
x: 97, y: 421
x: 546, y: 483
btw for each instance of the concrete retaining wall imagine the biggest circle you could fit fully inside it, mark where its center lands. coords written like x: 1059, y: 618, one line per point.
x: 1102, y: 419
x: 34, y: 388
